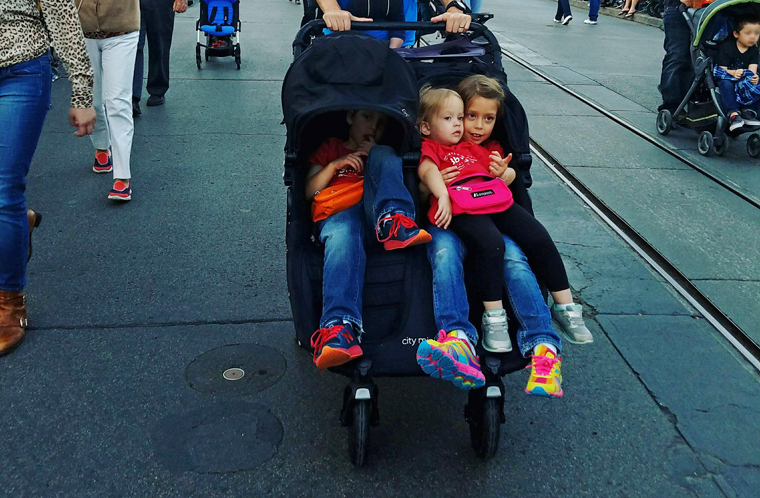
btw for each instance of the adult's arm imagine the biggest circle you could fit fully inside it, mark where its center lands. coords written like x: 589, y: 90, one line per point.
x: 62, y: 23
x: 336, y: 18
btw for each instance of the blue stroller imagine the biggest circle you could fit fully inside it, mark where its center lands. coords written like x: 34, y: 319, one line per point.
x: 220, y: 24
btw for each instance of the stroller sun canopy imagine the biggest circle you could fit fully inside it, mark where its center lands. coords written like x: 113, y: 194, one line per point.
x: 705, y: 15
x: 345, y: 71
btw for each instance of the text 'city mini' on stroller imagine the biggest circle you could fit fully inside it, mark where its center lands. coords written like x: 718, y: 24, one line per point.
x: 219, y: 23
x: 701, y: 109
x: 350, y: 70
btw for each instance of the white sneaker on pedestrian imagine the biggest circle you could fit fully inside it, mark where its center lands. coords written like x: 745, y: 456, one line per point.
x: 566, y: 19
x: 589, y: 21
x: 557, y: 20
x: 496, y: 332
x: 570, y: 320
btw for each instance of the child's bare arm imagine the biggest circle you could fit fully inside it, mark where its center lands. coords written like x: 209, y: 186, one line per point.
x: 755, y: 78
x: 736, y: 73
x: 431, y: 177
x: 318, y: 177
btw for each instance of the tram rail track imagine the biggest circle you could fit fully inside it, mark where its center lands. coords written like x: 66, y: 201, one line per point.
x: 741, y: 341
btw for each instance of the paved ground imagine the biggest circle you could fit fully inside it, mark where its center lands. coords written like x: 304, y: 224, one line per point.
x: 137, y: 309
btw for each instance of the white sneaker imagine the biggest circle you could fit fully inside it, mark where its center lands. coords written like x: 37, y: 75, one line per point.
x: 557, y: 20
x: 589, y: 21
x: 496, y: 332
x: 566, y: 19
x: 570, y: 320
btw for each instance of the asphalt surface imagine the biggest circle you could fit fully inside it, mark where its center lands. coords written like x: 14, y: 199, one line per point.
x: 136, y: 310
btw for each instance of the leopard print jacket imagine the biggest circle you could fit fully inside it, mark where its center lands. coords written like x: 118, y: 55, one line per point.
x: 29, y: 27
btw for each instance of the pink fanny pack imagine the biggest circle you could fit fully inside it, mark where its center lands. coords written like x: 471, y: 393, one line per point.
x: 485, y: 197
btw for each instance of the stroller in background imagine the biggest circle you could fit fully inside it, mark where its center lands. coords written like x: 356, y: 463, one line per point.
x: 220, y: 24
x: 321, y: 85
x: 702, y: 109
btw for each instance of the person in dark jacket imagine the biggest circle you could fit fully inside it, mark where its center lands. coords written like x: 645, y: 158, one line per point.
x: 676, y: 76
x: 157, y: 25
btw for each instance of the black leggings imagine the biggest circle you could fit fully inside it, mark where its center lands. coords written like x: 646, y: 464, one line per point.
x: 483, y: 235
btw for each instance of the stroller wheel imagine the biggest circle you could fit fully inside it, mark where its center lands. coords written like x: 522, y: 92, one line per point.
x: 720, y: 145
x: 664, y: 122
x: 706, y: 143
x: 485, y: 429
x: 753, y: 145
x: 358, y: 435
x: 198, y: 55
x: 237, y: 55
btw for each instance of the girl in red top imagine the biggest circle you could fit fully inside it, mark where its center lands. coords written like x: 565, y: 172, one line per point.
x: 443, y: 123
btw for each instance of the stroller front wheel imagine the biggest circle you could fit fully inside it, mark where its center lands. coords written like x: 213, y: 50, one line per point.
x: 706, y: 143
x: 753, y: 145
x: 721, y: 145
x: 664, y: 122
x: 358, y: 436
x: 485, y: 429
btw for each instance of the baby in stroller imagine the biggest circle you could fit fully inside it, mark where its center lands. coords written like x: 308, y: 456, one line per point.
x: 736, y: 73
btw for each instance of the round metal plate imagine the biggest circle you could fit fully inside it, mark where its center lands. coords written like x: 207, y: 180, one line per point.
x: 228, y: 436
x: 236, y: 370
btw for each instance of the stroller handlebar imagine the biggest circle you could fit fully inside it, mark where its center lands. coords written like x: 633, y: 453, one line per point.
x: 315, y: 28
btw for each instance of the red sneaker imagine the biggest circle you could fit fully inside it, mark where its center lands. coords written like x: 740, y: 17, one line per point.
x: 334, y: 346
x: 398, y: 231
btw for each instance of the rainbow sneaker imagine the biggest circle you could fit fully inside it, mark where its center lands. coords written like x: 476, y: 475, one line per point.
x: 334, y: 346
x: 546, y: 374
x: 450, y: 358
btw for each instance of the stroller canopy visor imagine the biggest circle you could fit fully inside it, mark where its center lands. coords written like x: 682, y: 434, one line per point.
x: 345, y: 71
x: 703, y: 16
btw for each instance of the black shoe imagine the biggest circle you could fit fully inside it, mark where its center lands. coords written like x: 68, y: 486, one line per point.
x: 136, y: 111
x: 155, y: 100
x: 750, y: 117
x: 735, y: 122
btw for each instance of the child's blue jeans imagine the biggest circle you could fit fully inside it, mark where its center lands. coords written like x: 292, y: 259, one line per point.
x: 343, y: 235
x: 446, y: 254
x: 24, y: 103
x: 728, y: 97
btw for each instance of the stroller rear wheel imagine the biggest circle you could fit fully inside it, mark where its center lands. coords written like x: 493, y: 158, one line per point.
x: 198, y: 60
x: 721, y: 145
x: 753, y: 145
x: 664, y: 122
x: 358, y: 435
x: 237, y: 55
x: 706, y: 143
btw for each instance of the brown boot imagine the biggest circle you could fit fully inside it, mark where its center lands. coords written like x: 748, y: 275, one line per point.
x: 12, y: 320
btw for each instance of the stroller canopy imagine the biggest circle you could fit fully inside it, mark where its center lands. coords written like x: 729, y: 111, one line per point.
x: 345, y: 71
x: 705, y: 15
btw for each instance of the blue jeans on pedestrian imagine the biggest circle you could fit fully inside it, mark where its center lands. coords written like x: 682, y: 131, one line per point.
x: 344, y: 233
x: 24, y: 103
x: 446, y: 254
x: 593, y: 9
x: 677, y: 73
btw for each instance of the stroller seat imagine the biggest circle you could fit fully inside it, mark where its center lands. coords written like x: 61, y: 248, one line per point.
x: 219, y: 26
x: 220, y: 18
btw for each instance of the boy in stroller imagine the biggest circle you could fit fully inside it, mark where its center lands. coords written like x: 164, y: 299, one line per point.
x: 736, y: 72
x: 387, y: 206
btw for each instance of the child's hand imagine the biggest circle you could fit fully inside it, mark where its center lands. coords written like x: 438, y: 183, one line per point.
x: 738, y: 73
x: 449, y: 174
x: 353, y: 161
x: 367, y: 144
x: 498, y: 165
x: 509, y: 176
x: 755, y: 79
x: 443, y: 215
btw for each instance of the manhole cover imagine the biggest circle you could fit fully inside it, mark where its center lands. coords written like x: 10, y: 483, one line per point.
x: 229, y: 436
x: 236, y: 370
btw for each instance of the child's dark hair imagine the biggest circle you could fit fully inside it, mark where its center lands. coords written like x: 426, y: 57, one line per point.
x: 740, y: 23
x: 478, y: 85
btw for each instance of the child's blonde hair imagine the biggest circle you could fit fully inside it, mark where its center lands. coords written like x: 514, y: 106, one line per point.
x: 432, y: 99
x: 478, y: 85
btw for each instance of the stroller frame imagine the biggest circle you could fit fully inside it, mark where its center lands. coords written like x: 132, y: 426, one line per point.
x: 484, y: 411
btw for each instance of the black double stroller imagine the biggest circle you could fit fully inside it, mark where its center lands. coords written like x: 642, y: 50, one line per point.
x: 351, y: 70
x: 701, y: 110
x: 219, y: 25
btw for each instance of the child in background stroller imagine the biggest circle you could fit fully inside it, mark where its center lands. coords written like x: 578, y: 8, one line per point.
x: 321, y: 85
x: 702, y: 109
x: 219, y: 22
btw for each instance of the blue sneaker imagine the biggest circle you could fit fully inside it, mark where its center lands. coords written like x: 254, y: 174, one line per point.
x: 398, y: 231
x: 450, y: 358
x: 334, y: 346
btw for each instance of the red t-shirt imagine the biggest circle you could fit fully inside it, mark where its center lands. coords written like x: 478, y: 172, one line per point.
x: 469, y: 158
x: 328, y: 152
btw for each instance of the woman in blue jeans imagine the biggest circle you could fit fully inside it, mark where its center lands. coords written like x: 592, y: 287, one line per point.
x: 25, y: 80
